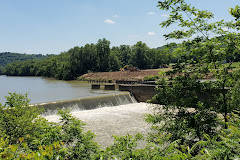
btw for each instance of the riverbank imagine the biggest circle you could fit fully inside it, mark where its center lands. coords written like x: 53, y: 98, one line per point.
x: 121, y: 75
x: 135, y: 75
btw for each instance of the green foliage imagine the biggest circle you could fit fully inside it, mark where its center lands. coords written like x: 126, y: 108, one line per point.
x: 235, y: 65
x: 7, y: 57
x: 196, y: 22
x: 151, y: 78
x: 66, y: 140
x: 189, y: 123
x: 25, y: 135
x: 139, y: 56
x: 103, y: 52
x: 109, y: 80
x: 90, y: 58
x: 124, y: 147
x: 16, y: 118
x: 22, y: 151
x: 81, y: 145
x: 191, y: 109
x: 123, y: 53
x: 235, y: 12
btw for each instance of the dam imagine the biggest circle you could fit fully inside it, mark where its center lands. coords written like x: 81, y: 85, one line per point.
x: 87, y: 103
x: 105, y: 116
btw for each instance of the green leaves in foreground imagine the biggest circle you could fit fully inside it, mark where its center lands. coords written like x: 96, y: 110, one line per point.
x: 25, y: 135
x: 16, y: 118
x: 66, y: 140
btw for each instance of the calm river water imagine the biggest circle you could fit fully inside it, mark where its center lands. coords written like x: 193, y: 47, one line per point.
x: 46, y: 90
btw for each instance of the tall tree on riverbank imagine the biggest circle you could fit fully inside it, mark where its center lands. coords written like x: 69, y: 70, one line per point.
x: 139, y: 57
x: 103, y: 52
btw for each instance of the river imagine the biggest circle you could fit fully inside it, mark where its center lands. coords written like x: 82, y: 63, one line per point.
x: 46, y: 90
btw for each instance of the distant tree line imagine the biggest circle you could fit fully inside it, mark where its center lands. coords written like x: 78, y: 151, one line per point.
x: 8, y: 57
x: 97, y: 57
x: 100, y: 57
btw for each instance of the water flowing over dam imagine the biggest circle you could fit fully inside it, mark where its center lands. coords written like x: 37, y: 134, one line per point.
x: 105, y: 116
x: 88, y: 103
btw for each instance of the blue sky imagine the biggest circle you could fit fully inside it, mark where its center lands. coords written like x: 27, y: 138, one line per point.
x: 54, y: 26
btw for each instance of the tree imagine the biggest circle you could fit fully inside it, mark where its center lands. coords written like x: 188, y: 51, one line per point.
x: 92, y: 59
x: 16, y: 118
x: 190, y: 107
x: 139, y: 58
x: 123, y: 52
x: 103, y: 52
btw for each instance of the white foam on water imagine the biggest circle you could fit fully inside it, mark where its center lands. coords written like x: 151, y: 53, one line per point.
x: 117, y: 120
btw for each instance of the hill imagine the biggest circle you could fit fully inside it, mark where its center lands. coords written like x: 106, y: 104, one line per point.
x: 8, y: 57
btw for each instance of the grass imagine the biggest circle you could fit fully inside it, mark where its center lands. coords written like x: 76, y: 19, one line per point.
x: 236, y: 65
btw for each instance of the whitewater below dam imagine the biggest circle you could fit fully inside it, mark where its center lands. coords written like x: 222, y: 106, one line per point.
x: 116, y: 120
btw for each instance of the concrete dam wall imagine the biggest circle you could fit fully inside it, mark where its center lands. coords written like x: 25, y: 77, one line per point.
x: 142, y: 93
x: 87, y: 103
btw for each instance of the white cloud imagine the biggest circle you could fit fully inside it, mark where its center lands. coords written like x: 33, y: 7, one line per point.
x: 151, y: 33
x: 109, y: 21
x: 164, y: 15
x: 151, y: 13
x: 115, y: 16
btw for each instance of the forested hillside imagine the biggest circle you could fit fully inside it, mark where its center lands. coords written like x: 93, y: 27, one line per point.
x: 97, y: 57
x: 100, y: 57
x: 8, y: 57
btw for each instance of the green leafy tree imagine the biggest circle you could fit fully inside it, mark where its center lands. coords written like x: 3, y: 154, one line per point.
x: 139, y: 57
x: 16, y: 118
x: 123, y: 52
x: 235, y: 12
x: 190, y: 107
x: 103, y: 52
x: 92, y: 60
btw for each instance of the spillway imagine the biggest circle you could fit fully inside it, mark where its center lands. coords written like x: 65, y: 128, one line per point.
x: 118, y: 120
x: 106, y: 115
x: 89, y: 103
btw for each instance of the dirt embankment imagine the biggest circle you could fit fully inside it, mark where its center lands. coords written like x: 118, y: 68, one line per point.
x: 121, y: 75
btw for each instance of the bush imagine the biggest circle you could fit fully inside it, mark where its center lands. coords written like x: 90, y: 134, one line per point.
x: 151, y: 78
x: 26, y: 135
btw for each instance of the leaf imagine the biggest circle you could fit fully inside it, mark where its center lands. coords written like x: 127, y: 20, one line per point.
x: 21, y: 139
